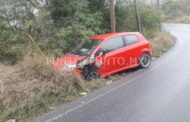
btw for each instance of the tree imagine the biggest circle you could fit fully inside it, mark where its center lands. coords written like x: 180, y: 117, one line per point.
x: 112, y: 16
x: 158, y: 11
x: 59, y: 26
x: 171, y: 8
x: 125, y: 17
x: 185, y: 6
x: 12, y: 45
x: 137, y: 16
x: 23, y: 21
x: 75, y: 21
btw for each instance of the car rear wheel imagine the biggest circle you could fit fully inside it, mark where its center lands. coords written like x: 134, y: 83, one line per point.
x: 145, y: 60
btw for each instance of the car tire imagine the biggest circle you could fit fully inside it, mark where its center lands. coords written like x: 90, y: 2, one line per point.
x: 89, y: 74
x: 145, y: 60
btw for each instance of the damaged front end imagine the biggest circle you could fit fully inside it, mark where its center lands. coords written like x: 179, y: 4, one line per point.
x: 89, y: 67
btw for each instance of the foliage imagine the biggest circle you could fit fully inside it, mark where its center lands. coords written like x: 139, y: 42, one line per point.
x: 175, y: 9
x: 171, y: 8
x: 126, y: 19
x: 12, y: 45
x: 161, y: 43
x: 56, y: 26
x: 59, y: 26
x: 150, y: 21
x: 75, y: 22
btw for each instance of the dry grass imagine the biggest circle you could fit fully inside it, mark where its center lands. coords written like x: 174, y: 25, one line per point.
x: 30, y: 87
x: 179, y: 19
x: 161, y: 43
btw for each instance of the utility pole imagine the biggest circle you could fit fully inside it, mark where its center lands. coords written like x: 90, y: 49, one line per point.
x: 112, y: 15
x: 137, y: 16
x: 158, y: 10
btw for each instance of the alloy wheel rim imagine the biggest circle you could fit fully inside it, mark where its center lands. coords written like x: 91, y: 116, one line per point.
x: 145, y: 60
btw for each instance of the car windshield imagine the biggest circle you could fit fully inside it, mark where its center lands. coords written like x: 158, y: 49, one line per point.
x: 86, y: 48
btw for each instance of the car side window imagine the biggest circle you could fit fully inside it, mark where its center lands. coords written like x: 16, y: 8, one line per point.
x: 112, y: 44
x: 130, y: 39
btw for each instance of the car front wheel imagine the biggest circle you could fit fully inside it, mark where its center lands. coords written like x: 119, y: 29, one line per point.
x: 89, y: 73
x: 145, y: 60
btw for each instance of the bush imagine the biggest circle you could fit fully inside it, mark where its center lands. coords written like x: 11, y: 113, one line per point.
x: 161, y: 43
x: 60, y: 25
x: 150, y: 20
x: 12, y: 47
x: 171, y: 8
x: 125, y: 18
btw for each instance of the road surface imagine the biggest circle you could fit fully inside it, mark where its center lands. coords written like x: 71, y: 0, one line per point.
x: 158, y: 94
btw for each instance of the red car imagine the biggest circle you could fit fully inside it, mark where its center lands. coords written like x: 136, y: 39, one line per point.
x: 107, y: 54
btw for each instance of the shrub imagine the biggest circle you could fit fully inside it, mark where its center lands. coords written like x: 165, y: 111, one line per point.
x: 12, y: 47
x: 161, y: 43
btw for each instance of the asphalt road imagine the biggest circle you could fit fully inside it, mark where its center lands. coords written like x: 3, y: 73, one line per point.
x: 158, y: 94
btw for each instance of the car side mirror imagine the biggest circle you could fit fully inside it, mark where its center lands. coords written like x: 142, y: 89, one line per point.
x: 100, y: 53
x: 103, y: 53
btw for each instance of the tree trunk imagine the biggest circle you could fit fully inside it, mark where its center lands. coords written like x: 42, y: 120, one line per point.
x: 158, y: 10
x: 137, y: 16
x: 112, y: 15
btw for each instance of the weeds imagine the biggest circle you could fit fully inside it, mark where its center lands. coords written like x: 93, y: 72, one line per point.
x: 32, y: 86
x: 179, y: 19
x: 161, y: 43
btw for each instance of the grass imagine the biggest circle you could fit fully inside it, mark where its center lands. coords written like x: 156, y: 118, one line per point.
x: 178, y: 19
x: 32, y: 86
x: 161, y: 43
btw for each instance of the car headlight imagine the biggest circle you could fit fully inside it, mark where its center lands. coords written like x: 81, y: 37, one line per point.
x: 70, y: 67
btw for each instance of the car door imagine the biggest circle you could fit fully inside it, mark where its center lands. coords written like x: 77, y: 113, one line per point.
x: 132, y: 49
x: 113, y: 59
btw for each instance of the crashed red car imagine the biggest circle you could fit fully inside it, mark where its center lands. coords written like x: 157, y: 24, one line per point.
x: 107, y: 54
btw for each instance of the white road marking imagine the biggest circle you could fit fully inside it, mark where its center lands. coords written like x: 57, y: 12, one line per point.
x: 83, y: 104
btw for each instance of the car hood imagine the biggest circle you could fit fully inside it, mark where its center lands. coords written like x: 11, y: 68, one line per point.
x: 66, y: 60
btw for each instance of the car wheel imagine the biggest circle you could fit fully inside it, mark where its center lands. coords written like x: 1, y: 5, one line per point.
x: 145, y: 60
x: 89, y: 74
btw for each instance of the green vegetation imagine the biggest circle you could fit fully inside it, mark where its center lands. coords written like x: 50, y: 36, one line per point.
x: 57, y: 26
x: 126, y: 18
x: 29, y: 28
x: 176, y: 11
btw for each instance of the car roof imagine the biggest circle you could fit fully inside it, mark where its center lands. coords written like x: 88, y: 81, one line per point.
x: 109, y: 35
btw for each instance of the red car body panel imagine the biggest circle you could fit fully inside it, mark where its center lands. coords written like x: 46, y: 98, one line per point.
x: 129, y: 53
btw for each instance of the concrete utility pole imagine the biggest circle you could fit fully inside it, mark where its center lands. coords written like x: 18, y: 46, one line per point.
x: 112, y: 15
x: 158, y: 10
x: 137, y: 16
